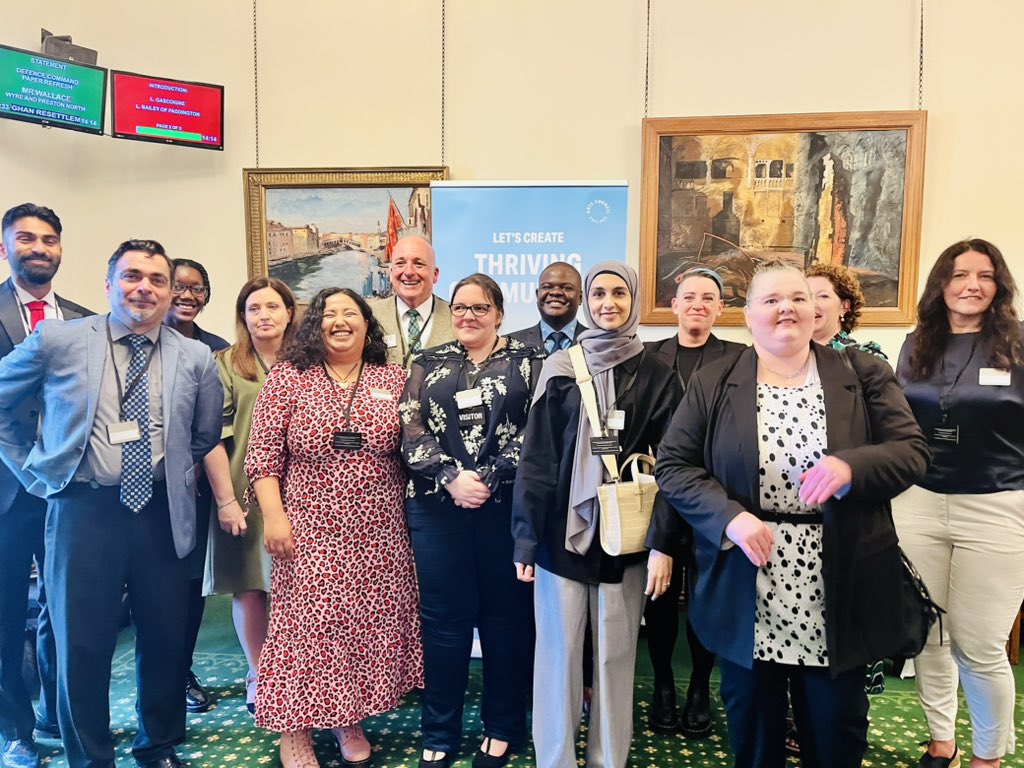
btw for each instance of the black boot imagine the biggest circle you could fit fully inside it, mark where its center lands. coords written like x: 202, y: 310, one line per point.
x: 697, y: 713
x: 662, y: 716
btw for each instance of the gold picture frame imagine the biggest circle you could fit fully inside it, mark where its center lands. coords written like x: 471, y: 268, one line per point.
x: 726, y: 192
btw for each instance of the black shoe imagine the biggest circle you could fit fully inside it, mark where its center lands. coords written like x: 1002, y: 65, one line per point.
x: 696, y: 714
x: 483, y: 760
x: 662, y: 716
x: 45, y: 731
x: 19, y: 753
x: 931, y: 761
x: 171, y: 761
x: 196, y: 697
x: 441, y: 762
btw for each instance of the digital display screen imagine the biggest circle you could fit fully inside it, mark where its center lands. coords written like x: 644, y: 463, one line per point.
x: 167, y: 111
x: 53, y: 92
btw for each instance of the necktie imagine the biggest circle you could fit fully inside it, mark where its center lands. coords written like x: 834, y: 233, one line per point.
x: 556, y: 341
x: 414, y: 331
x: 137, y: 456
x: 36, y: 313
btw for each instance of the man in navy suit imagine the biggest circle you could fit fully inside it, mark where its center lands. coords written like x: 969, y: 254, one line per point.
x: 129, y: 407
x: 559, y: 293
x: 32, y: 248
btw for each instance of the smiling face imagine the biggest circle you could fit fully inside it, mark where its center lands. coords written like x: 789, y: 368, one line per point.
x: 828, y: 308
x: 559, y: 293
x: 139, y: 290
x: 186, y: 305
x: 413, y: 270
x: 266, y: 316
x: 344, y: 330
x: 780, y: 312
x: 970, y: 290
x: 609, y: 301
x: 697, y: 305
x: 32, y: 248
x: 474, y: 332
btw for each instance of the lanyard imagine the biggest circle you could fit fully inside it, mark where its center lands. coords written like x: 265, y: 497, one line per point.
x: 352, y: 397
x: 263, y: 365
x: 471, y: 377
x: 129, y: 387
x: 696, y: 367
x: 946, y: 395
x: 407, y: 348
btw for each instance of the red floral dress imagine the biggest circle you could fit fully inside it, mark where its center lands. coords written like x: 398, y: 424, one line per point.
x: 344, y: 639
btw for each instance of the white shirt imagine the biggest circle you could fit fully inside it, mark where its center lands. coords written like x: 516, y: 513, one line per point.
x: 51, y: 310
x: 426, y: 314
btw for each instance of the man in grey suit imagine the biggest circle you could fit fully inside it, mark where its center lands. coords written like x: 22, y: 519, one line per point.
x: 559, y: 294
x: 31, y: 246
x: 129, y: 407
x: 413, y: 318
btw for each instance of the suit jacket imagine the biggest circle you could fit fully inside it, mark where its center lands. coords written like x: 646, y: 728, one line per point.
x: 708, y: 467
x: 441, y: 330
x: 532, y: 335
x: 26, y: 418
x: 64, y: 363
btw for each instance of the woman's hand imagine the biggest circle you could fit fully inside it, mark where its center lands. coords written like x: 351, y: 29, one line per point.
x: 277, y: 536
x: 468, y: 490
x: 749, y: 533
x: 659, y: 574
x: 524, y: 572
x: 824, y: 480
x: 231, y: 518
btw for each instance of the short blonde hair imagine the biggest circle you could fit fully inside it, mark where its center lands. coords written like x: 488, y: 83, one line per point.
x: 771, y: 266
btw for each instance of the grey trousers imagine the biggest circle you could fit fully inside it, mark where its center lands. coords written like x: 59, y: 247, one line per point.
x: 561, y: 607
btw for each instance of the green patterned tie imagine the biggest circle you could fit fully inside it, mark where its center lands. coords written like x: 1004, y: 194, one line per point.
x: 414, y: 331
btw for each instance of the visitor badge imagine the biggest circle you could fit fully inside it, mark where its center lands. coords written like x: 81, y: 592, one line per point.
x: 604, y: 446
x: 993, y: 377
x: 391, y: 340
x: 347, y: 441
x: 471, y: 417
x: 469, y: 398
x: 380, y: 394
x: 616, y: 419
x: 123, y: 432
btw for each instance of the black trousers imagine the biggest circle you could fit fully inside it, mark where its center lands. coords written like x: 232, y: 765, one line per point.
x: 831, y: 715
x: 21, y: 539
x: 103, y: 548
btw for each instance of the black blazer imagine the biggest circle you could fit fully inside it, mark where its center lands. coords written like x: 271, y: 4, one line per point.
x: 531, y: 335
x: 708, y: 469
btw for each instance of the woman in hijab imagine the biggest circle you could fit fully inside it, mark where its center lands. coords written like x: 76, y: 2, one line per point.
x: 555, y: 519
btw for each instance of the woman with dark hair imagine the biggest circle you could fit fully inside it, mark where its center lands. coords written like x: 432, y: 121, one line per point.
x: 190, y: 293
x: 556, y: 517
x: 463, y: 416
x: 236, y: 563
x: 838, y: 301
x: 963, y: 524
x: 344, y: 638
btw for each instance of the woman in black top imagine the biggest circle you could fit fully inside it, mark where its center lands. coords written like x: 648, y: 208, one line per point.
x: 555, y: 521
x: 463, y: 414
x: 963, y: 524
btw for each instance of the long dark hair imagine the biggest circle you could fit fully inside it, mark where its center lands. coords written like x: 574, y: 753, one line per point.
x: 243, y: 357
x: 308, y: 350
x: 1000, y: 328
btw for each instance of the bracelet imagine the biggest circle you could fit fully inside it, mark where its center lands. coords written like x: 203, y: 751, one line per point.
x: 221, y: 506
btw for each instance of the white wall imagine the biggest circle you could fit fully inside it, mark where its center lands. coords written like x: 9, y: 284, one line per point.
x: 536, y: 89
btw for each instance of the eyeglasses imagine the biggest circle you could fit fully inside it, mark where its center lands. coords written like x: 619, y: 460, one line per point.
x: 478, y: 310
x: 199, y: 291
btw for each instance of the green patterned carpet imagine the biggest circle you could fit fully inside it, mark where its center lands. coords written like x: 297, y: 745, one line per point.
x: 225, y: 737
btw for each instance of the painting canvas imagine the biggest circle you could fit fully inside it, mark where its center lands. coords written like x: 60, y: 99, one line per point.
x: 728, y: 193
x: 315, y: 228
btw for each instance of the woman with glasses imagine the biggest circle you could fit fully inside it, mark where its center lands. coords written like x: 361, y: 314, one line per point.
x: 463, y: 415
x: 190, y: 292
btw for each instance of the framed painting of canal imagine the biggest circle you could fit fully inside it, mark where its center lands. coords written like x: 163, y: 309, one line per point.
x: 727, y: 193
x: 317, y: 228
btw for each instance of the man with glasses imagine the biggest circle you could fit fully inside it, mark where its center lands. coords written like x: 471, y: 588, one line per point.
x: 31, y: 246
x: 559, y: 294
x: 128, y: 410
x: 413, y: 318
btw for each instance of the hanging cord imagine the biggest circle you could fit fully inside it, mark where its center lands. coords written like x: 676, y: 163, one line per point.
x: 443, y: 52
x: 256, y: 82
x: 920, y: 62
x: 647, y: 60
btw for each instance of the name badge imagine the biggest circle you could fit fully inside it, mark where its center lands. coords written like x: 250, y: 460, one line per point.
x: 949, y: 435
x: 616, y: 419
x: 604, y: 446
x: 123, y: 432
x: 391, y: 340
x: 469, y: 398
x: 470, y: 417
x: 993, y: 377
x: 347, y: 441
x: 380, y: 394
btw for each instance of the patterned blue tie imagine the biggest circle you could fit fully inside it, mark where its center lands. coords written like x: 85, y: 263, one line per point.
x: 137, y: 456
x: 555, y: 341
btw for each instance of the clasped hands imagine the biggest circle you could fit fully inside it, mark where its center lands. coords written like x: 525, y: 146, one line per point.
x: 468, y: 490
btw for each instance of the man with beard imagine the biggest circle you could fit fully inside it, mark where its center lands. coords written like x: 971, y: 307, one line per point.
x: 31, y: 246
x: 559, y: 293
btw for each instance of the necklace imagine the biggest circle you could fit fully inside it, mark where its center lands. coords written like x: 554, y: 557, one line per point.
x: 787, y: 376
x: 343, y: 381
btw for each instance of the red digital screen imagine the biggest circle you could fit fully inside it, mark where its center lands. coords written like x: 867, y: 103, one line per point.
x: 167, y: 111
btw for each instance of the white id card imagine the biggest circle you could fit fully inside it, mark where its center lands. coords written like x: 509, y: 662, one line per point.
x: 391, y: 340
x: 993, y: 377
x: 616, y: 419
x: 123, y: 432
x: 469, y: 398
x: 381, y: 394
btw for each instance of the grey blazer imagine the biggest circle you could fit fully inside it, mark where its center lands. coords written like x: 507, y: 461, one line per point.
x: 63, y: 363
x: 441, y: 330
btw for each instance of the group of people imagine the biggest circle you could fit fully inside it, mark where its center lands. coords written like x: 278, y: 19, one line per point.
x: 373, y: 480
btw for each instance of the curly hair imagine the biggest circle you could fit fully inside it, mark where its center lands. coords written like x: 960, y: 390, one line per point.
x: 1000, y: 328
x: 847, y: 288
x: 243, y: 357
x: 308, y: 349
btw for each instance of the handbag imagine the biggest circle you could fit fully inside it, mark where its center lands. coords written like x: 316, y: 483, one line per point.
x: 626, y: 506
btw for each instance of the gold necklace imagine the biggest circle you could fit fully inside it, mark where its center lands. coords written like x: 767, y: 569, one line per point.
x: 343, y: 381
x: 787, y: 376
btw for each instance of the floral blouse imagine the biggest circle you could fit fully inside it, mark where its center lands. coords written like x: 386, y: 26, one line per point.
x: 435, y: 446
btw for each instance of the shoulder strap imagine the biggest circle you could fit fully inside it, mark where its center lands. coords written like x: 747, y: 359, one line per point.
x: 586, y: 384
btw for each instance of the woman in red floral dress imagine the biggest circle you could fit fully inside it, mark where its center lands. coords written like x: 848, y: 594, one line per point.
x: 344, y: 640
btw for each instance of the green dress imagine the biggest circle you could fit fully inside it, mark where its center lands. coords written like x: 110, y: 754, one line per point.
x: 237, y: 563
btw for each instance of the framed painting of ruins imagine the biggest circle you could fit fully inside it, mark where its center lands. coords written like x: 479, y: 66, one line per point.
x: 316, y: 228
x: 729, y: 192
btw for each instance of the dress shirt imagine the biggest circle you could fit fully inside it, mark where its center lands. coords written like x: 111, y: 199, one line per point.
x: 426, y: 310
x: 51, y: 310
x: 569, y: 329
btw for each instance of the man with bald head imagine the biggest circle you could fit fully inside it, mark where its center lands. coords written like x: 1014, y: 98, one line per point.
x: 559, y: 293
x: 413, y: 318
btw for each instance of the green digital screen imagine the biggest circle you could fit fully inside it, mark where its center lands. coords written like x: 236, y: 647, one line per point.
x: 54, y: 92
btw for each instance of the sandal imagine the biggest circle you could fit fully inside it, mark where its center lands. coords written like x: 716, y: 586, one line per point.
x: 355, y: 749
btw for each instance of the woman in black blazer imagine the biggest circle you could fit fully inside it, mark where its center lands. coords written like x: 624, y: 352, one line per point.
x: 784, y: 462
